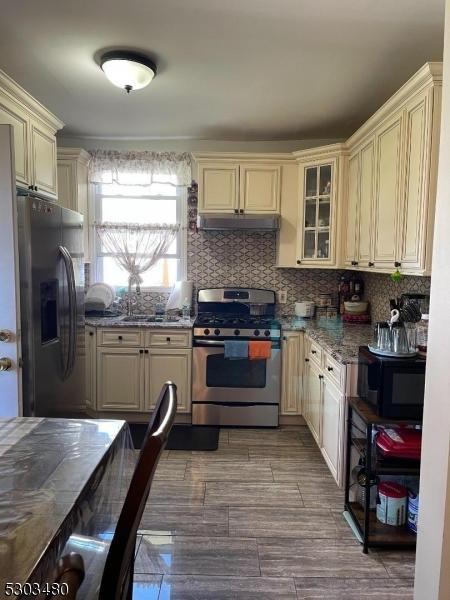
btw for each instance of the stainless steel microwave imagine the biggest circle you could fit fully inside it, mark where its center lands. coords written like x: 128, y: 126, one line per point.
x: 394, y: 387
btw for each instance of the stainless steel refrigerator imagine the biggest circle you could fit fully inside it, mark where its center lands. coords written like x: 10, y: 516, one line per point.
x: 51, y: 269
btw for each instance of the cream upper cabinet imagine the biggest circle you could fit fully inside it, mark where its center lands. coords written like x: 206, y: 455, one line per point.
x: 398, y: 150
x: 168, y: 365
x: 218, y: 187
x: 333, y: 403
x: 240, y: 183
x: 387, y: 193
x: 353, y: 199
x: 43, y: 160
x: 291, y: 374
x: 259, y: 188
x: 364, y: 234
x: 11, y: 114
x: 120, y: 381
x: 34, y: 137
x: 319, y: 199
x: 73, y: 189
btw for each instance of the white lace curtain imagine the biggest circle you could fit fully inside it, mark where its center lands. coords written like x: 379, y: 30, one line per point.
x: 136, y: 248
x: 140, y: 168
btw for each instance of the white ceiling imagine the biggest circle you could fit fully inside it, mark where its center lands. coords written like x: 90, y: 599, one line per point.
x: 228, y: 69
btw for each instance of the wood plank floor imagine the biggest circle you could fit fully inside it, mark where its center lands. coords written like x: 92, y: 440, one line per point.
x: 259, y: 519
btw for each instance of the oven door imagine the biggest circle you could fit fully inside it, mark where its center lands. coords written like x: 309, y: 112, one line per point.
x: 222, y: 380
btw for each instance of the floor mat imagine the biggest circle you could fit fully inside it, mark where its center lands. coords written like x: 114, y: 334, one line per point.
x: 182, y: 437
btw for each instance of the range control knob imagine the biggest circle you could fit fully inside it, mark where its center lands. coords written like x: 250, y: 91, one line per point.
x: 267, y: 332
x: 206, y: 331
x: 256, y: 332
x: 217, y: 331
x: 236, y: 332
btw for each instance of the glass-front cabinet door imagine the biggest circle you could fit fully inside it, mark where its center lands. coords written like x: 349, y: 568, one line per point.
x: 316, y: 214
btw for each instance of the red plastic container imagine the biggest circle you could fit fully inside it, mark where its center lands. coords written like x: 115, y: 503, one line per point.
x: 398, y: 442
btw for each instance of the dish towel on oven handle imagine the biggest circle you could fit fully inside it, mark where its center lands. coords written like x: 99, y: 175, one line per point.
x: 259, y: 350
x: 235, y: 349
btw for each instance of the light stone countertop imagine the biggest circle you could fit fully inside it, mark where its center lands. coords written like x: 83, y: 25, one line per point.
x: 120, y: 322
x: 340, y: 340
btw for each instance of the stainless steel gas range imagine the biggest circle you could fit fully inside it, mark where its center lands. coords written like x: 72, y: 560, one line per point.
x: 235, y: 391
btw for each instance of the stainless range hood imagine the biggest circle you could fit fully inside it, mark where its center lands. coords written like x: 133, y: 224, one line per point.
x: 223, y: 222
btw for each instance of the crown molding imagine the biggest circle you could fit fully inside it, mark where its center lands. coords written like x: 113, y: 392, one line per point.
x: 17, y: 94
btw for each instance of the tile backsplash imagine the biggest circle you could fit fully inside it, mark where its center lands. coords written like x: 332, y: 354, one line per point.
x: 379, y: 288
x: 244, y: 258
x: 247, y: 259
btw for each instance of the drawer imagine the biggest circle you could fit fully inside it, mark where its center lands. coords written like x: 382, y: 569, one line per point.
x: 315, y: 353
x: 333, y: 370
x: 131, y: 338
x: 168, y: 338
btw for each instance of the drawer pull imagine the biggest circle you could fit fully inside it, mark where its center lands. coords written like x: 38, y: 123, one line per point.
x: 119, y: 337
x: 141, y: 351
x: 91, y: 333
x: 167, y: 339
x: 306, y: 359
x: 330, y: 368
x: 146, y: 351
x: 313, y: 351
x: 320, y: 376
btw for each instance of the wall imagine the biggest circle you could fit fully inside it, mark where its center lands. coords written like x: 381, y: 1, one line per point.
x: 380, y: 288
x: 433, y: 543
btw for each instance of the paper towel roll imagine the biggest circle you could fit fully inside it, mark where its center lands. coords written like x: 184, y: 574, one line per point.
x: 180, y: 291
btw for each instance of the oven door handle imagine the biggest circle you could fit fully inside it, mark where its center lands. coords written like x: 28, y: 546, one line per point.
x: 209, y: 343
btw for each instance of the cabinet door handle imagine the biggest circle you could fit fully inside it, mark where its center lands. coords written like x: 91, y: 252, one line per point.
x: 167, y: 339
x: 397, y: 264
x: 141, y: 351
x: 91, y: 333
x: 35, y: 188
x: 320, y: 376
x: 330, y: 368
x: 306, y: 359
x: 371, y: 264
x: 120, y: 338
x: 313, y: 351
x: 299, y: 262
x: 236, y: 211
x: 241, y: 211
x: 146, y: 351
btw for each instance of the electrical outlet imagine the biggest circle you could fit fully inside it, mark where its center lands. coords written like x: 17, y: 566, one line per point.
x: 282, y: 296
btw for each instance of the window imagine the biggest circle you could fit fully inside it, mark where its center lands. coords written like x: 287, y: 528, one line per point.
x: 156, y: 203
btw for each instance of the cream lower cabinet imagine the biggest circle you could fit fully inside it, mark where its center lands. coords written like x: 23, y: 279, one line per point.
x: 313, y: 399
x: 120, y: 379
x: 333, y: 405
x: 291, y: 373
x: 326, y: 384
x: 91, y: 367
x: 168, y: 365
x: 126, y: 368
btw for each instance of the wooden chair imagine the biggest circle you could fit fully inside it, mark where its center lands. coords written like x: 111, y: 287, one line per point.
x: 117, y: 579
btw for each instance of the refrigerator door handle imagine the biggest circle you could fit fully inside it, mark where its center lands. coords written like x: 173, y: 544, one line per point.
x: 70, y: 273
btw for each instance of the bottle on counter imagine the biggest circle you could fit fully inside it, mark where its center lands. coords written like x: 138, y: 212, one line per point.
x: 422, y: 336
x: 186, y: 310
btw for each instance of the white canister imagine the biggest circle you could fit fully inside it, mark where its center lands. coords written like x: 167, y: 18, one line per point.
x: 392, y: 507
x: 304, y: 309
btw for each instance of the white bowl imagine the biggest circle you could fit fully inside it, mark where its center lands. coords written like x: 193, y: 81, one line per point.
x: 356, y: 308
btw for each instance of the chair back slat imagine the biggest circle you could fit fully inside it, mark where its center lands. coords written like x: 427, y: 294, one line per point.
x: 118, y: 569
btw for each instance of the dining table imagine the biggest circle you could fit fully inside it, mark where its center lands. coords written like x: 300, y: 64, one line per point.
x: 62, y: 486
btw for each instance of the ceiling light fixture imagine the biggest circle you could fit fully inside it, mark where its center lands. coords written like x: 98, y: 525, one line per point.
x: 128, y: 70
